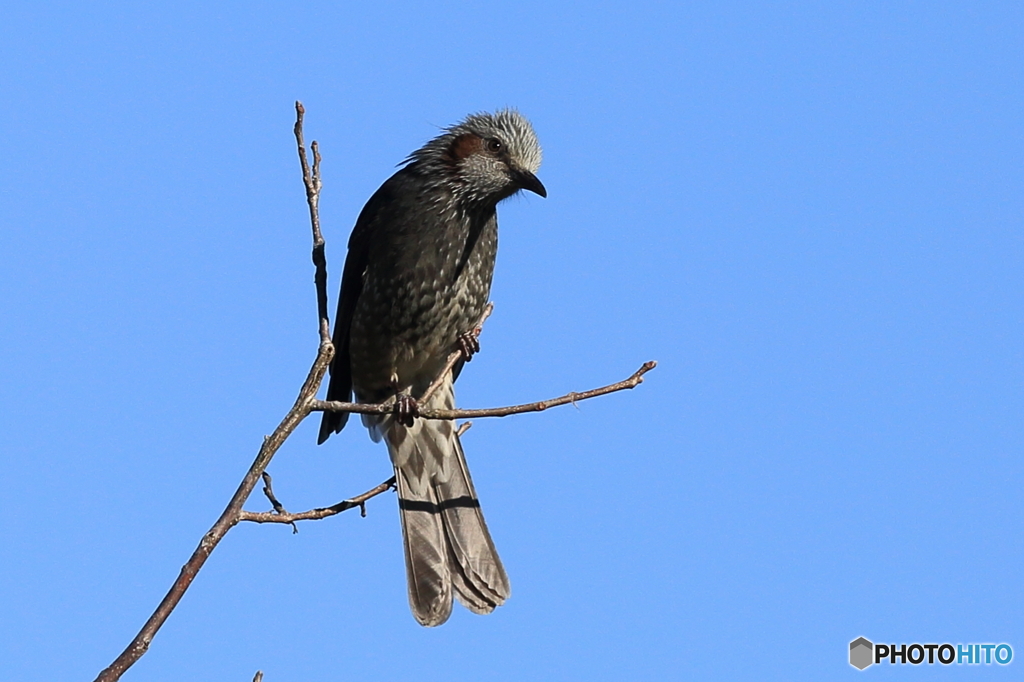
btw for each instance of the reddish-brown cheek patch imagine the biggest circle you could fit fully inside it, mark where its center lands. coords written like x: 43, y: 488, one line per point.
x: 465, y: 145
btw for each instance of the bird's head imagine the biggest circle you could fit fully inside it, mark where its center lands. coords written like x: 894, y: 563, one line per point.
x: 485, y: 158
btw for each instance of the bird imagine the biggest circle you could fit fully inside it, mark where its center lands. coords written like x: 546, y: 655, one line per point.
x: 417, y: 277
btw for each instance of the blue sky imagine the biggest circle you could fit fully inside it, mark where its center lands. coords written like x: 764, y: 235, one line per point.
x: 809, y: 213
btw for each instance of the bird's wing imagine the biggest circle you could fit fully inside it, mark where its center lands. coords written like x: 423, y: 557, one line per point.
x: 340, y: 387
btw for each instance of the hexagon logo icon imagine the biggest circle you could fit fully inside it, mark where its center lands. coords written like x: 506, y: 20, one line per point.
x: 862, y: 653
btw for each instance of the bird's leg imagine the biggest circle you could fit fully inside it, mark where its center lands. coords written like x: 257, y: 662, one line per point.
x: 406, y: 409
x: 468, y: 343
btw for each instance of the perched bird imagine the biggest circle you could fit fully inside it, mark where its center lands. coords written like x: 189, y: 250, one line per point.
x: 416, y: 280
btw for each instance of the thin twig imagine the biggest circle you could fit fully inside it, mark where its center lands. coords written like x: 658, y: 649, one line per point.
x: 385, y: 408
x: 268, y: 490
x: 319, y: 512
x: 632, y: 382
x: 311, y: 180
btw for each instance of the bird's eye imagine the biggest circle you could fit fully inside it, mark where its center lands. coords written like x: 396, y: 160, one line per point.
x: 493, y: 145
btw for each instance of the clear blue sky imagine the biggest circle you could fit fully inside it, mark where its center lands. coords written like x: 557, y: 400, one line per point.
x: 809, y: 213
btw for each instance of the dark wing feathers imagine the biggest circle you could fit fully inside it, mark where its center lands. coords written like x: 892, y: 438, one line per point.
x: 340, y: 387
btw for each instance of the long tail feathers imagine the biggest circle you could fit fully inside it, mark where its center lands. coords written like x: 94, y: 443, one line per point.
x: 426, y: 557
x: 447, y: 545
x: 477, y: 573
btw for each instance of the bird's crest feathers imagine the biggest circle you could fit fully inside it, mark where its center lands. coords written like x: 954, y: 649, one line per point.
x: 507, y: 126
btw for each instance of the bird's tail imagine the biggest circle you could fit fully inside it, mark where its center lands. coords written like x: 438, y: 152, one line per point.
x: 447, y: 545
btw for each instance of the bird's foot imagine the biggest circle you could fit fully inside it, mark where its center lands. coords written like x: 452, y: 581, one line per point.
x: 468, y: 344
x: 406, y: 409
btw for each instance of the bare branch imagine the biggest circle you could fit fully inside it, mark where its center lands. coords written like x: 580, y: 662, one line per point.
x: 268, y: 490
x: 319, y: 512
x: 282, y: 515
x: 311, y: 179
x: 632, y: 382
x: 300, y: 410
x: 385, y: 408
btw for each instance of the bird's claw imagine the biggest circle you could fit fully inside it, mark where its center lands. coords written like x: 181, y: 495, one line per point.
x: 406, y: 409
x: 469, y: 344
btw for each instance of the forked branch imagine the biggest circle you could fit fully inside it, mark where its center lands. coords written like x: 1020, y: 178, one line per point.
x: 299, y: 411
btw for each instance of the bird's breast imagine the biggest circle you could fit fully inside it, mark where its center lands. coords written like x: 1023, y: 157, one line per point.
x: 417, y: 298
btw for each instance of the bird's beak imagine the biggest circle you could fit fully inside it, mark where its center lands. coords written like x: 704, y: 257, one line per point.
x: 528, y: 180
